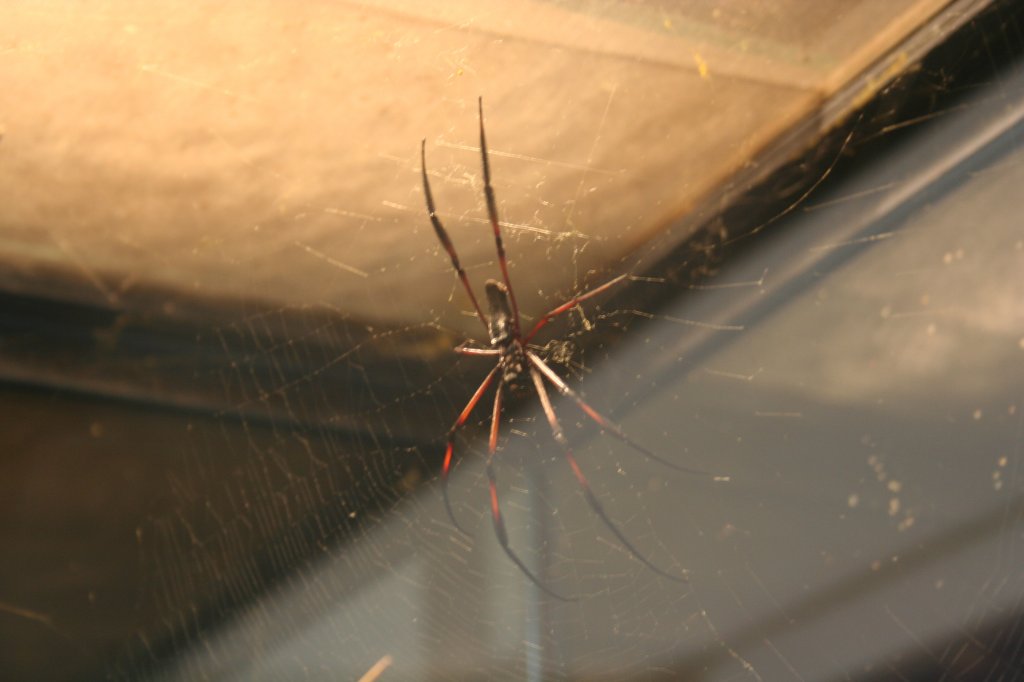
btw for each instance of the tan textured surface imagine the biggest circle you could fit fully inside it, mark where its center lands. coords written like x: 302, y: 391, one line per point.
x: 269, y: 150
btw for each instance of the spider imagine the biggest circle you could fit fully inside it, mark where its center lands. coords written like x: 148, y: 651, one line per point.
x: 516, y: 361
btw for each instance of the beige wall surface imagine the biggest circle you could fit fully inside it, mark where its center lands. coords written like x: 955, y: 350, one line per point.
x: 269, y: 151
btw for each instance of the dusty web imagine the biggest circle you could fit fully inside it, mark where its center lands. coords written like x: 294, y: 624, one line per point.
x: 855, y: 372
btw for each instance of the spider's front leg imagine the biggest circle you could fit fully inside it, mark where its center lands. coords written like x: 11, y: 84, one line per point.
x: 581, y: 479
x: 496, y: 517
x: 606, y: 424
x: 450, y: 448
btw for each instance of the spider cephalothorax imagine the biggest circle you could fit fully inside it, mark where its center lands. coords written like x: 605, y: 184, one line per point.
x: 517, y: 369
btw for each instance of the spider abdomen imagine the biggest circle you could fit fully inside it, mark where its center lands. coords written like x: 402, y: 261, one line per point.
x: 499, y: 321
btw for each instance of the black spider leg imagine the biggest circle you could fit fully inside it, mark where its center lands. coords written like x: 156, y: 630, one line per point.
x: 459, y: 423
x: 604, y: 422
x: 492, y: 213
x: 445, y: 240
x: 499, y: 522
x: 588, y: 494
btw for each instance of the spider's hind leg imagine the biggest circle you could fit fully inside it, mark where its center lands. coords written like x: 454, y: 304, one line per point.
x: 492, y: 214
x: 442, y: 235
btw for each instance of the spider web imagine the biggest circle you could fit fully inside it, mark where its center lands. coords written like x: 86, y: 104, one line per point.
x: 858, y: 379
x: 848, y: 358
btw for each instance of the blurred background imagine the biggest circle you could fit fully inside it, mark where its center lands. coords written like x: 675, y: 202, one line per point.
x: 226, y: 338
